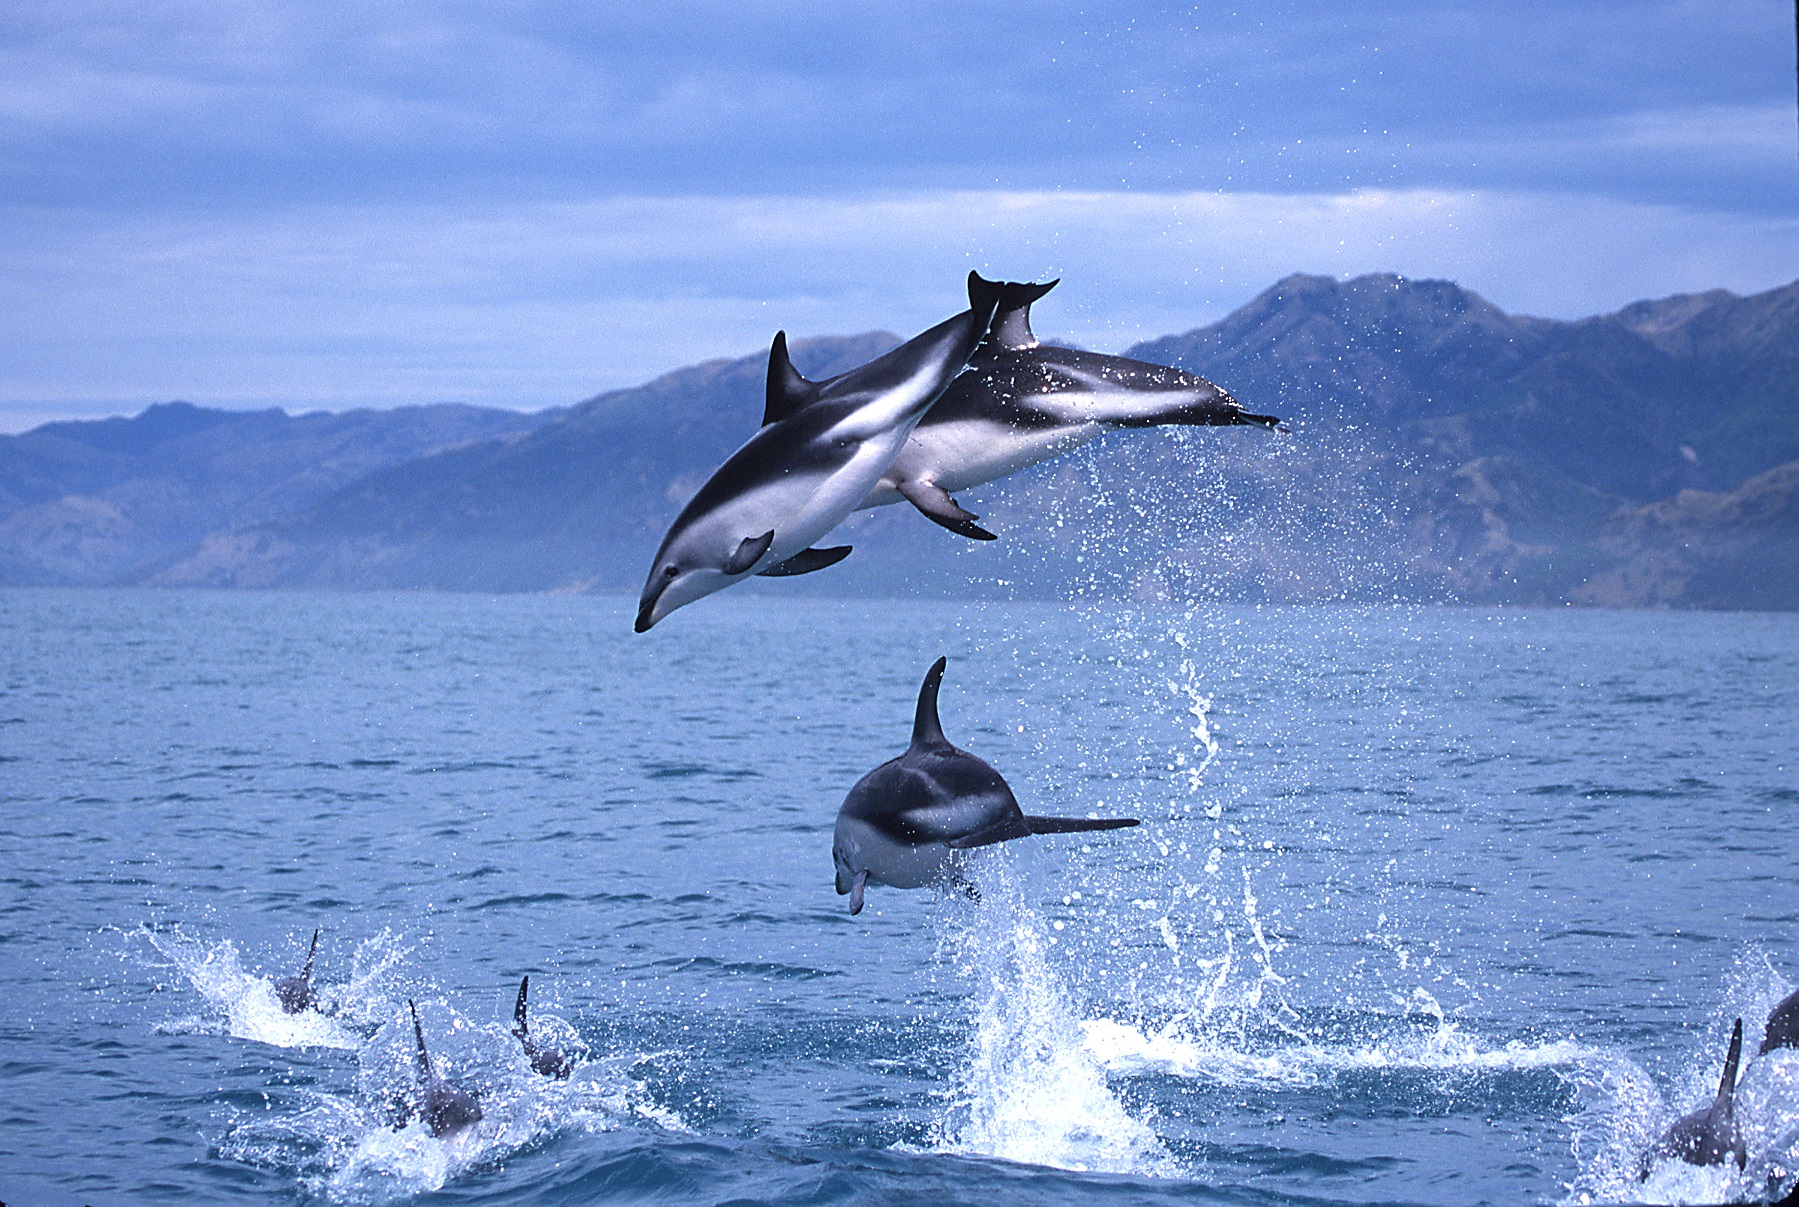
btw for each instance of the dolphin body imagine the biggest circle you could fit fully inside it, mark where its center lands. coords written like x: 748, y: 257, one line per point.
x: 1709, y: 1136
x: 1022, y: 402
x: 447, y: 1108
x: 296, y: 992
x: 1783, y: 1025
x: 822, y: 447
x: 906, y: 823
x: 547, y: 1061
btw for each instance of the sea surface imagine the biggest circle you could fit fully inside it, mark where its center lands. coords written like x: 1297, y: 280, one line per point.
x: 1429, y: 905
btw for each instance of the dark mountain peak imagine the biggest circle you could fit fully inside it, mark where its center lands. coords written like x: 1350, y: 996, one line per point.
x: 154, y: 425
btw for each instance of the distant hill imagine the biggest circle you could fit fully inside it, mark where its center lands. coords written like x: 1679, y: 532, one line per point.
x: 1441, y: 449
x: 95, y: 502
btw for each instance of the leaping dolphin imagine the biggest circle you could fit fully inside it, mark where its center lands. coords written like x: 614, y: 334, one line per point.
x: 1022, y: 402
x: 1783, y: 1025
x: 1707, y: 1137
x: 547, y: 1061
x: 906, y: 823
x: 822, y: 447
x: 296, y: 992
x: 446, y: 1108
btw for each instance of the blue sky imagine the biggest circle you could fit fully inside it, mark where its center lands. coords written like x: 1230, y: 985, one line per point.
x: 252, y: 203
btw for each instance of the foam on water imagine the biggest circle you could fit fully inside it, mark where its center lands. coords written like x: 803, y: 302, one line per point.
x: 243, y: 1005
x: 1178, y: 1048
x: 346, y: 1148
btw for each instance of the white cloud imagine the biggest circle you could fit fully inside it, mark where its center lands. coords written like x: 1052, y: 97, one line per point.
x: 543, y: 304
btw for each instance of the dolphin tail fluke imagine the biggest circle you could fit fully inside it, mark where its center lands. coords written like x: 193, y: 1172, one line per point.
x: 518, y: 1012
x: 856, y: 887
x: 984, y: 297
x: 999, y: 831
x: 424, y: 1057
x: 1011, y: 326
x: 934, y: 503
x: 306, y: 972
x: 927, y: 731
x: 806, y: 561
x: 1077, y: 825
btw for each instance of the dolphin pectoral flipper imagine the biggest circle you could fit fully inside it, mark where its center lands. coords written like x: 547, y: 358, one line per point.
x: 1000, y: 831
x: 856, y: 887
x: 934, y: 501
x: 1076, y: 825
x: 749, y: 553
x: 806, y: 561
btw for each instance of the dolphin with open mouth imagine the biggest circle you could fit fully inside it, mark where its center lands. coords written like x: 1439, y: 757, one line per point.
x: 822, y: 447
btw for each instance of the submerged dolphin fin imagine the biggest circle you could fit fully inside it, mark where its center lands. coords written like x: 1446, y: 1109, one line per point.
x: 787, y: 390
x: 927, y: 732
x: 1012, y: 320
x: 518, y: 1011
x: 1077, y: 825
x: 306, y: 972
x: 856, y: 887
x: 999, y: 831
x: 749, y: 553
x: 806, y: 561
x: 936, y: 505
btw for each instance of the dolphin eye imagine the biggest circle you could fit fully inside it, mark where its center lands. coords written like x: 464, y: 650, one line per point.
x: 670, y: 572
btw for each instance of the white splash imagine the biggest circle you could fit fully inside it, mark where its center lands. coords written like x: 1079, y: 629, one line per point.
x: 243, y: 1004
x: 1179, y: 1048
x: 1031, y: 1091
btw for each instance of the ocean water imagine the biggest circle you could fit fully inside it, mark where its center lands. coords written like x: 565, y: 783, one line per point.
x: 1429, y: 905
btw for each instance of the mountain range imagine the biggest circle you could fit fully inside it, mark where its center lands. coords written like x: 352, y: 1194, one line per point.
x: 1440, y: 449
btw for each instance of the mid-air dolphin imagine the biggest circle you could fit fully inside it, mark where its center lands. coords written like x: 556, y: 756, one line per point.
x: 821, y: 449
x: 296, y: 992
x: 906, y: 822
x: 445, y: 1107
x: 1709, y: 1136
x: 1022, y: 402
x: 547, y: 1061
x: 1783, y: 1025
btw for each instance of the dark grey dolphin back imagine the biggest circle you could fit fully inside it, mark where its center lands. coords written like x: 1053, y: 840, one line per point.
x: 295, y: 992
x: 1710, y: 1136
x: 1783, y: 1024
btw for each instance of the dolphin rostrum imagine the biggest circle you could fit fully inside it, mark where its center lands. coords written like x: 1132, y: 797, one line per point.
x: 547, y: 1061
x: 822, y: 447
x: 906, y: 823
x: 447, y: 1108
x: 1022, y: 402
x: 1708, y: 1136
x: 1783, y: 1025
x: 296, y: 992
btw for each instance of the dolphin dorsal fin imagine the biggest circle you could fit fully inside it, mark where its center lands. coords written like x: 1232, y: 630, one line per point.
x: 927, y: 731
x: 518, y: 1011
x: 1012, y: 321
x: 787, y: 390
x: 1728, y: 1084
x: 419, y: 1032
x: 306, y: 972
